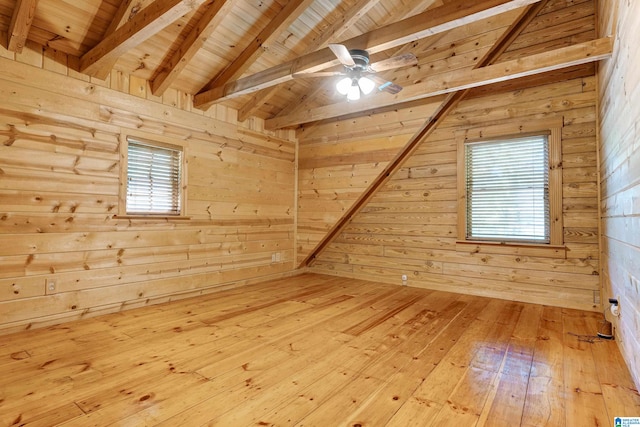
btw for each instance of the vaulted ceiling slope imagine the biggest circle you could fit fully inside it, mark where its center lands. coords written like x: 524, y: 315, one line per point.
x: 252, y: 55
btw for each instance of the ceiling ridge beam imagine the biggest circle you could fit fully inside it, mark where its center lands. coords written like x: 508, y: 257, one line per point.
x: 309, y: 97
x: 99, y: 61
x: 20, y: 25
x: 437, y: 20
x: 289, y: 110
x: 448, y: 105
x: 261, y: 43
x: 581, y: 53
x: 334, y: 31
x: 172, y: 67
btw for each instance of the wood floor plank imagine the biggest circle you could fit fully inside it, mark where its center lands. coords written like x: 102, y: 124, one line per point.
x: 295, y: 407
x: 420, y: 359
x: 318, y: 350
x: 413, y: 364
x: 290, y: 376
x: 544, y: 402
x: 443, y: 381
x: 506, y: 405
x: 582, y: 389
x: 620, y: 394
x: 132, y: 399
x: 362, y: 359
x: 47, y: 418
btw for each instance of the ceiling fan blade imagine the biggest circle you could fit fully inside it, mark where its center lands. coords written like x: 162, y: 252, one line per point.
x: 385, y: 85
x: 318, y: 74
x: 405, y: 60
x: 342, y: 53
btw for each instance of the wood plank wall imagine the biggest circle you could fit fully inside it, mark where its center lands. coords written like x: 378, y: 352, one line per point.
x: 410, y: 226
x: 619, y: 112
x: 60, y: 134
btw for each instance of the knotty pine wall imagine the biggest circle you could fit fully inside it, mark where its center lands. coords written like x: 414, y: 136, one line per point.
x: 410, y: 226
x: 619, y: 112
x: 59, y: 178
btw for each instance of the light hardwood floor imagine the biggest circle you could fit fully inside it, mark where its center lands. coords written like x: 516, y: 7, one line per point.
x: 318, y: 351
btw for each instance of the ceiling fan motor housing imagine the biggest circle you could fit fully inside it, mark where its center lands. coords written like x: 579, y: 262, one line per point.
x: 360, y: 57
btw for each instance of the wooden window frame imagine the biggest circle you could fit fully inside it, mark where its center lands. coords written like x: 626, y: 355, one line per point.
x: 553, y: 128
x: 158, y: 141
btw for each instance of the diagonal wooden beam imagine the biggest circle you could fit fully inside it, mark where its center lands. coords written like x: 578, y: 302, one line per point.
x: 20, y: 25
x: 301, y: 105
x: 455, y: 80
x: 353, y: 14
x: 120, y: 17
x: 437, y: 20
x: 448, y: 105
x: 170, y: 69
x: 256, y: 102
x: 148, y: 22
x: 289, y: 13
x: 403, y: 12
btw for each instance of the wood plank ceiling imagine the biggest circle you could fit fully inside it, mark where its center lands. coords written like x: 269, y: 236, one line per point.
x: 245, y: 53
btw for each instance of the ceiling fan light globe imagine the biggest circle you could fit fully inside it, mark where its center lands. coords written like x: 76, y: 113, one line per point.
x: 354, y: 93
x: 343, y: 86
x: 366, y: 85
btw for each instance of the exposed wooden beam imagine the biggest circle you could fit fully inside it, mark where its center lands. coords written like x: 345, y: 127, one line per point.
x: 403, y: 12
x: 289, y: 13
x: 120, y: 17
x: 353, y: 14
x: 308, y: 97
x: 20, y: 25
x: 148, y: 22
x: 448, y: 105
x: 171, y: 68
x: 437, y: 20
x: 565, y: 57
x: 344, y: 23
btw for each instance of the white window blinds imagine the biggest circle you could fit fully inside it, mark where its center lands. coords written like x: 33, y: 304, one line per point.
x: 153, y: 179
x: 507, y: 188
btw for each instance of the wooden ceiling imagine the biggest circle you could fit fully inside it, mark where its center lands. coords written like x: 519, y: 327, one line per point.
x: 245, y: 53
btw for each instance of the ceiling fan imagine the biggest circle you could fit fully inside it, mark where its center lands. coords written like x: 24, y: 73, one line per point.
x: 359, y: 74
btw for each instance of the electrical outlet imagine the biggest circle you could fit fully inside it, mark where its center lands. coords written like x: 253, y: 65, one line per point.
x: 404, y: 280
x: 273, y: 257
x: 51, y: 286
x: 615, y: 305
x: 278, y: 256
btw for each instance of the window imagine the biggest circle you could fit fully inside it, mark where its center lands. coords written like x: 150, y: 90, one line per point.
x: 507, y: 187
x: 153, y: 178
x: 510, y: 186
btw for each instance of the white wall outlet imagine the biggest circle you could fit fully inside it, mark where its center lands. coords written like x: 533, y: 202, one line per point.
x: 273, y: 257
x: 278, y: 256
x: 51, y: 286
x: 404, y: 280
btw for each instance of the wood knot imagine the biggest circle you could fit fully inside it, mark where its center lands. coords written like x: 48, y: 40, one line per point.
x: 20, y: 355
x: 145, y: 397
